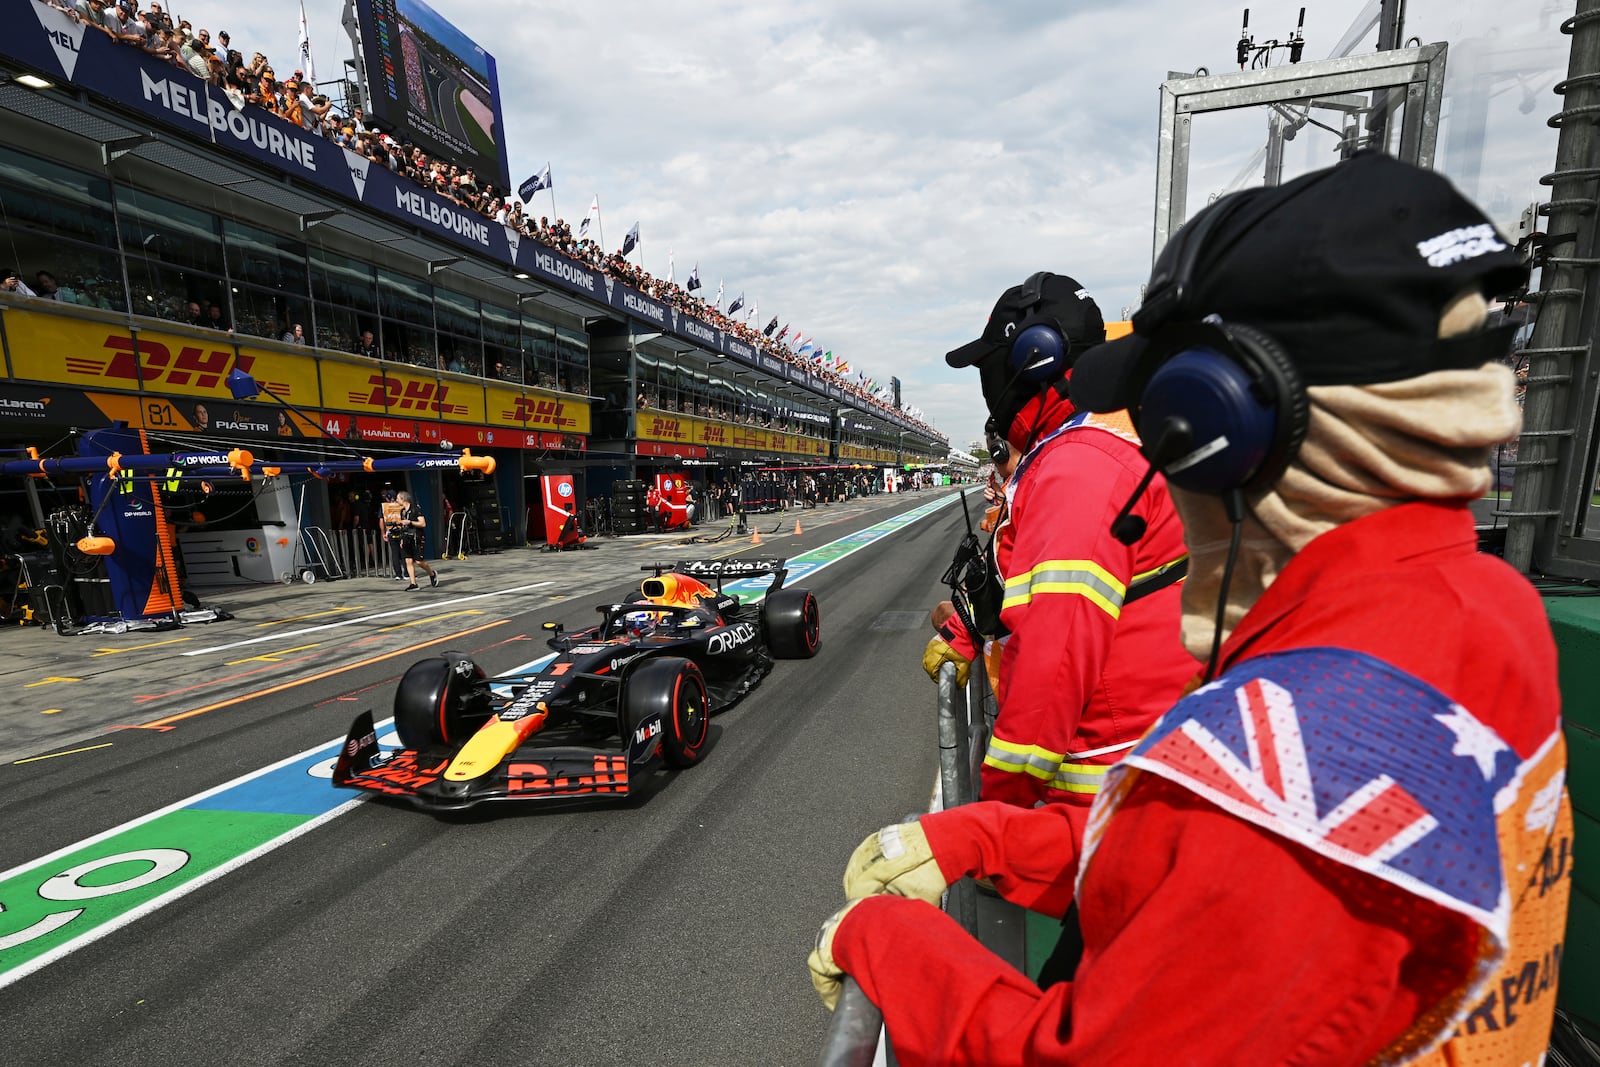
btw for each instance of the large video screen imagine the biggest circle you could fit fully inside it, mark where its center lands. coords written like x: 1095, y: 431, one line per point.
x: 432, y: 84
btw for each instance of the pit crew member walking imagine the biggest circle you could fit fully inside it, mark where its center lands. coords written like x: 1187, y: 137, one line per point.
x: 412, y: 523
x: 1354, y: 845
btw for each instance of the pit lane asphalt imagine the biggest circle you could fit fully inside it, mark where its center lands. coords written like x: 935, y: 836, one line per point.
x: 672, y: 929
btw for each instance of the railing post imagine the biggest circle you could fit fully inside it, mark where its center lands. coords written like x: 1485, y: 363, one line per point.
x: 854, y: 1031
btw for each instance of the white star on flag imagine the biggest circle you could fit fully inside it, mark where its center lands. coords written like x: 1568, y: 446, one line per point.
x: 1473, y: 739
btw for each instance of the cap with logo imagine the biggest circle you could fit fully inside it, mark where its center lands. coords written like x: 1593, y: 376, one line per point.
x: 1348, y: 269
x: 1011, y: 378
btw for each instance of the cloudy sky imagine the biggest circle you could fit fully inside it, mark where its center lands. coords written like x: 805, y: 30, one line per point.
x: 876, y: 173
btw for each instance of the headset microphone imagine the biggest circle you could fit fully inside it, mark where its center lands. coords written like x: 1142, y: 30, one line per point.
x: 1174, y: 439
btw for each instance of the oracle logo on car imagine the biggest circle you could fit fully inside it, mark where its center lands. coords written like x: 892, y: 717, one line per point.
x: 731, y: 638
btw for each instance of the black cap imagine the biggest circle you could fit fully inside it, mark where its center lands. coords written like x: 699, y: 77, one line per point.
x: 1347, y: 268
x: 1058, y: 297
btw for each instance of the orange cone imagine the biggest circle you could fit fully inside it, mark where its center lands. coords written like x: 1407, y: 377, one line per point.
x: 797, y: 530
x: 755, y: 538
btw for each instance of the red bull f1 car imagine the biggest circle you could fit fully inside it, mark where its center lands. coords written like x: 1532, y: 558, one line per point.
x: 635, y: 689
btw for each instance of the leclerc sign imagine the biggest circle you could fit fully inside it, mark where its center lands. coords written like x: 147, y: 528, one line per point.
x: 41, y: 37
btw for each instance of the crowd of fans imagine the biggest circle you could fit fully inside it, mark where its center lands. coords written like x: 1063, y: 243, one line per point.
x: 295, y: 99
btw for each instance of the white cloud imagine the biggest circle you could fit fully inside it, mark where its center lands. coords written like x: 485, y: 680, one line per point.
x: 876, y: 173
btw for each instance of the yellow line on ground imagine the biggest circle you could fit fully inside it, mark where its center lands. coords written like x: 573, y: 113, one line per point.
x: 53, y: 755
x: 48, y: 680
x: 313, y: 615
x: 430, y: 618
x: 135, y: 648
x: 272, y: 657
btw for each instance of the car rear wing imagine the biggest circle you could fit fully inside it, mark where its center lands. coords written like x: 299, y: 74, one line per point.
x: 719, y: 570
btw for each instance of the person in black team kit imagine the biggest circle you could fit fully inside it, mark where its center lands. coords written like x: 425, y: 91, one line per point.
x: 412, y: 523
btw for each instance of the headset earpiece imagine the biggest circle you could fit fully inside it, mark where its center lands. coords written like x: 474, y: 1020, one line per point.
x: 1039, y: 347
x: 1241, y: 396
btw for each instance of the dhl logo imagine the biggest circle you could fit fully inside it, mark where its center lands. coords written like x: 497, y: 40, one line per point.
x: 715, y: 435
x: 396, y: 395
x: 540, y: 412
x: 154, y: 363
x: 672, y: 429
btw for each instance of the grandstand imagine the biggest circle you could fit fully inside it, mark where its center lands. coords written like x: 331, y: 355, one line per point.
x: 189, y: 225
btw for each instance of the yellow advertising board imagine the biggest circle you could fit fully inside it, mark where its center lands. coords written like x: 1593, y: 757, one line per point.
x: 686, y: 429
x: 534, y: 409
x: 87, y: 354
x: 385, y: 389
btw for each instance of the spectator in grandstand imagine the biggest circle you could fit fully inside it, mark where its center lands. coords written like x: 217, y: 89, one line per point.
x: 1352, y: 835
x: 192, y: 315
x: 216, y: 318
x: 12, y: 283
x: 367, y: 346
x: 295, y: 335
x: 49, y: 289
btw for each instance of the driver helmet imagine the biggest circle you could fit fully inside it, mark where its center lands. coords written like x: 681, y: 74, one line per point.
x: 639, y: 623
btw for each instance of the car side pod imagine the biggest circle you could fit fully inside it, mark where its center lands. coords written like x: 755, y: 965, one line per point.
x: 360, y: 745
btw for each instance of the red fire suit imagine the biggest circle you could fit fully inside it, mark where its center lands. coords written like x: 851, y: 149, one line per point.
x: 1210, y: 941
x: 1083, y: 673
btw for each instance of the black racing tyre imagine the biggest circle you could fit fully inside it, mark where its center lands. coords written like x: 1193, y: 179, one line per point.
x: 441, y: 702
x: 675, y: 690
x: 791, y: 622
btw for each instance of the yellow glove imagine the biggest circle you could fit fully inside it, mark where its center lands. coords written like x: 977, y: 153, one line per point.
x: 898, y: 861
x: 939, y: 652
x: 825, y: 974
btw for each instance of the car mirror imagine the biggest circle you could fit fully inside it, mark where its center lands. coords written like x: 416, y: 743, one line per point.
x: 553, y: 627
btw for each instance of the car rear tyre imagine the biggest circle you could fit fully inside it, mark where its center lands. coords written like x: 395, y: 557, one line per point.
x: 675, y: 690
x: 791, y: 622
x: 441, y: 701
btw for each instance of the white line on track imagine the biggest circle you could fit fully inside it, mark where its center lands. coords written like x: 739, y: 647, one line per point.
x: 430, y: 605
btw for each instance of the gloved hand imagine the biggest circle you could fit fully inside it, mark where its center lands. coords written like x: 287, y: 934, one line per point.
x: 895, y: 860
x: 825, y: 974
x: 939, y: 652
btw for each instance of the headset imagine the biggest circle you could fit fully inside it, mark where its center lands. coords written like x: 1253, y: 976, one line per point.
x: 1222, y: 405
x: 1040, y: 349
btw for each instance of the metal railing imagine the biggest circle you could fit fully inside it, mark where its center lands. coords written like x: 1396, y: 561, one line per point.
x: 964, y: 717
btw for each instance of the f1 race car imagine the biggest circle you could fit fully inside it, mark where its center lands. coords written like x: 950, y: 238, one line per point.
x: 639, y: 686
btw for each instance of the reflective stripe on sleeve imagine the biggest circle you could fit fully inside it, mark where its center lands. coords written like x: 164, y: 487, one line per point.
x: 1080, y: 577
x: 1047, y: 766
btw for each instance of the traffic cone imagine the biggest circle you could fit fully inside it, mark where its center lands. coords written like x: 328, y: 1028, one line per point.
x: 755, y: 538
x: 797, y: 530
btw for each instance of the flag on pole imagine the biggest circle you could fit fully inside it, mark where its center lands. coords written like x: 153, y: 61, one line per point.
x: 694, y: 279
x: 801, y: 343
x: 755, y: 311
x: 738, y: 301
x: 593, y: 216
x: 718, y: 304
x: 844, y: 366
x: 307, y: 67
x: 773, y: 325
x: 783, y: 332
x: 631, y: 241
x: 669, y: 266
x: 539, y: 181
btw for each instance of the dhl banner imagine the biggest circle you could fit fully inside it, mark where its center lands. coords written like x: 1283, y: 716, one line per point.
x: 535, y: 411
x: 870, y: 455
x: 384, y: 389
x: 93, y: 355
x: 686, y: 429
